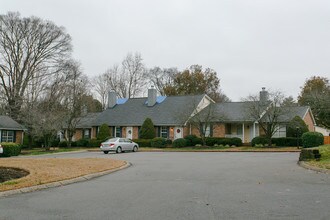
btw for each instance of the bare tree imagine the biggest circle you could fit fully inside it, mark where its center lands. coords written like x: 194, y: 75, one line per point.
x: 29, y: 48
x: 268, y: 111
x: 161, y: 78
x: 134, y: 74
x: 74, y: 90
x: 127, y: 80
x: 101, y: 88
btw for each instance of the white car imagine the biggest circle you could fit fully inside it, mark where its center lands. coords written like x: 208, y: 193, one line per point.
x: 119, y: 145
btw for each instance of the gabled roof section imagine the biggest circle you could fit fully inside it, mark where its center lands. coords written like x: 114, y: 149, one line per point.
x: 173, y: 110
x: 291, y: 112
x: 7, y: 123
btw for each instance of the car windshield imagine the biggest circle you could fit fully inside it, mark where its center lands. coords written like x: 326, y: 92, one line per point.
x: 112, y: 140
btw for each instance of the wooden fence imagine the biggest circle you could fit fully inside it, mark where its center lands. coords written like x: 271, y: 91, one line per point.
x: 326, y: 139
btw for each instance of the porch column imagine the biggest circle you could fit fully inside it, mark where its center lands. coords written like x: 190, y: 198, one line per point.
x: 254, y: 130
x: 243, y: 134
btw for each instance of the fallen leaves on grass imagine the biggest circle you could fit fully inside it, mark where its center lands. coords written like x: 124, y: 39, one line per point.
x: 55, y: 169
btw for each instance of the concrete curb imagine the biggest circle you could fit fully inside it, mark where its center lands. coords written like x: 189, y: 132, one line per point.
x: 220, y: 151
x: 62, y: 182
x: 309, y: 167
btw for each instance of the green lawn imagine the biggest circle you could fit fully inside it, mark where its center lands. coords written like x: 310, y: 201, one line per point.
x: 325, y: 157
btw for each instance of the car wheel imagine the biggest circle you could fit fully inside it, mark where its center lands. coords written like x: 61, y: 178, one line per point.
x: 119, y: 150
x: 106, y: 152
x: 135, y: 149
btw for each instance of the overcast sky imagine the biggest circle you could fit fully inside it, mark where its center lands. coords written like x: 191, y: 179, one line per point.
x: 277, y: 44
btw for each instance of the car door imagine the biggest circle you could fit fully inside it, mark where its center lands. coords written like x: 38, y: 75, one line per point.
x: 122, y: 144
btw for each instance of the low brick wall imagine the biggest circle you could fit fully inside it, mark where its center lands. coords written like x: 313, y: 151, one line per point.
x: 309, y: 154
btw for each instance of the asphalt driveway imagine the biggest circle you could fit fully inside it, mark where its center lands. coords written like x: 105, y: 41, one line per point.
x: 168, y: 185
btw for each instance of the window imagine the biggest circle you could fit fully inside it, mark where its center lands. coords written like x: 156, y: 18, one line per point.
x: 207, y: 131
x: 7, y: 136
x: 228, y: 129
x: 164, y: 132
x: 239, y: 129
x: 118, y: 131
x: 87, y: 134
x: 280, y: 131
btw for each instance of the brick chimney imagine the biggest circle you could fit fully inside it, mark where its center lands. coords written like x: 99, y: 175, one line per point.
x: 112, y: 99
x: 263, y: 96
x: 152, y: 96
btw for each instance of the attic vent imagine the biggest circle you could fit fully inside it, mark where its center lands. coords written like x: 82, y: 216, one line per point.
x: 121, y: 101
x: 159, y: 100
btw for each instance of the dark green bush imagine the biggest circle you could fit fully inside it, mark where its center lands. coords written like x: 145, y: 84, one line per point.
x: 158, y: 142
x: 94, y: 142
x: 147, y: 130
x: 211, y: 141
x: 312, y: 139
x: 82, y: 142
x: 74, y: 144
x: 169, y: 142
x: 10, y: 149
x: 192, y: 140
x: 55, y: 142
x: 296, y: 127
x: 63, y: 144
x: 180, y: 142
x: 143, y: 142
x: 235, y: 141
x: 259, y: 140
x: 286, y: 141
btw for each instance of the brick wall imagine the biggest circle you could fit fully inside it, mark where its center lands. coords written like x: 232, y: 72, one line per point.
x: 309, y: 121
x: 219, y: 130
x: 19, y: 137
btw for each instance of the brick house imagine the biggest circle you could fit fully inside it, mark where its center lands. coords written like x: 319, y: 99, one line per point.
x: 10, y: 130
x: 173, y: 115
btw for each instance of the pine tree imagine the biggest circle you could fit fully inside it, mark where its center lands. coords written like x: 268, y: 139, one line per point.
x: 104, y: 132
x: 147, y: 130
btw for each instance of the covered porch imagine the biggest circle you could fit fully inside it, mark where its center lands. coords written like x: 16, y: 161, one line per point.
x: 246, y: 131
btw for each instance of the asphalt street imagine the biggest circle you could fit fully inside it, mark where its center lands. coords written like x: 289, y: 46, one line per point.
x: 168, y: 185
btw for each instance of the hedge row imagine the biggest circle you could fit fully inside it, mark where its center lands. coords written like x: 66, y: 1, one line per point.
x: 283, y: 141
x: 82, y: 143
x: 157, y: 142
x: 308, y: 139
x: 10, y: 149
x: 192, y: 140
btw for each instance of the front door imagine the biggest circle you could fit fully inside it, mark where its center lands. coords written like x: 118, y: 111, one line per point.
x: 178, y: 132
x: 129, y: 132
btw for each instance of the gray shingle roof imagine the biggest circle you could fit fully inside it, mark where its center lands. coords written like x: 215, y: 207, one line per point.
x: 88, y: 121
x: 227, y: 112
x: 174, y: 110
x: 7, y: 123
x: 238, y: 112
x: 291, y: 112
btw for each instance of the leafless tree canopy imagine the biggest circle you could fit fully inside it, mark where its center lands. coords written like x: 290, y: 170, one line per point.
x: 127, y: 80
x: 161, y: 78
x: 267, y: 113
x: 30, y: 50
